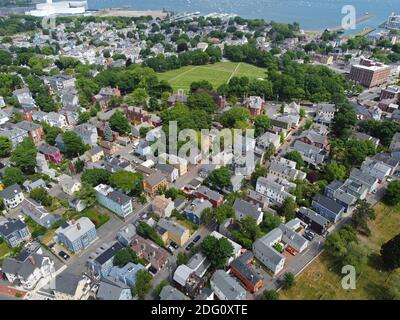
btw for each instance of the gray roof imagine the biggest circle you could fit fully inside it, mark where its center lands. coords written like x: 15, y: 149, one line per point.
x: 171, y: 293
x: 10, y: 226
x: 22, y: 268
x: 27, y: 125
x: 363, y: 177
x: 110, y: 289
x: 155, y: 178
x: 246, y: 208
x: 67, y: 283
x: 197, y: 206
x: 240, y: 264
x: 228, y: 285
x: 313, y: 216
x: 11, y: 191
x: 328, y: 203
x: 170, y: 226
x: 211, y: 194
x: 95, y: 149
x: 73, y: 232
x: 119, y: 197
x: 165, y: 168
x: 45, y: 148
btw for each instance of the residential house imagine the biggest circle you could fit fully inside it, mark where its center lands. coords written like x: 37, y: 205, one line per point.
x: 194, y: 210
x: 60, y: 82
x: 87, y: 132
x: 148, y: 250
x: 53, y: 119
x: 162, y: 206
x: 27, y: 269
x: 257, y: 199
x: 138, y: 115
x: 38, y: 213
x: 14, y: 232
x: 243, y: 209
x: 96, y: 153
x: 69, y: 286
x: 255, y: 104
x: 154, y: 182
x: 325, y: 112
x: 206, y: 193
x: 169, y: 171
x: 69, y: 185
x: 113, y: 289
x: 101, y: 264
x: 126, y: 233
x: 175, y: 161
x: 30, y: 185
x: 285, y: 169
x: 172, y: 231
x: 34, y: 130
x: 50, y: 153
x: 15, y: 134
x: 76, y: 235
x: 315, y: 139
x: 315, y: 221
x: 4, y: 117
x: 360, y: 136
x: 12, y: 196
x: 327, y: 207
x: 311, y: 155
x: 274, y: 191
x: 117, y: 163
x: 364, y: 178
x: 114, y: 200
x: 376, y: 169
x: 144, y: 148
x: 226, y: 287
x: 268, y: 138
x: 104, y: 96
x: 126, y: 274
x: 242, y: 269
x: 291, y: 237
x: 170, y: 293
x: 24, y: 97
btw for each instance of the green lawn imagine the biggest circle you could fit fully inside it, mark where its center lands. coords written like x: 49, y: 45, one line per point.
x: 4, y: 249
x: 320, y: 282
x: 95, y: 216
x: 216, y: 74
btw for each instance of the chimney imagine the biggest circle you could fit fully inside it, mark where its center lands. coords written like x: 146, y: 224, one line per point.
x: 78, y: 226
x: 32, y: 260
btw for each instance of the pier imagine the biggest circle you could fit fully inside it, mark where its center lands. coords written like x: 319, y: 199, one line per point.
x: 340, y: 29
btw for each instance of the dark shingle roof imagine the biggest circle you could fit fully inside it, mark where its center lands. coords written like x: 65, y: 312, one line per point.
x: 328, y: 203
x: 109, y: 253
x: 67, y: 283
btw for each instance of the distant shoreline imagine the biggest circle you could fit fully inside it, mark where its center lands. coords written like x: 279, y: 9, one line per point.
x: 130, y: 13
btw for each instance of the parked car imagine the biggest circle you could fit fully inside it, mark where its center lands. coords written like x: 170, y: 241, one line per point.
x: 197, y: 238
x: 64, y: 255
x: 189, y: 246
x: 171, y: 249
x: 291, y: 250
x: 174, y: 245
x: 309, y: 235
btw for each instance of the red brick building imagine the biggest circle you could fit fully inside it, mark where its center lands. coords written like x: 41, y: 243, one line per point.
x: 369, y: 73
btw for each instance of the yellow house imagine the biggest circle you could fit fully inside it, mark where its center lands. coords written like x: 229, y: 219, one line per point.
x: 96, y: 153
x: 175, y: 161
x: 154, y: 182
x: 172, y: 231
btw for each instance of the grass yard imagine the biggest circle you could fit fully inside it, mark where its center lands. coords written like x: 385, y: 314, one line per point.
x: 216, y: 74
x: 4, y: 250
x: 319, y: 282
x: 95, y: 216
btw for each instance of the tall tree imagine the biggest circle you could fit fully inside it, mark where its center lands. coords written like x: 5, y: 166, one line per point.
x: 217, y: 251
x: 119, y: 123
x: 74, y: 145
x: 390, y: 253
x: 24, y: 156
x: 5, y: 146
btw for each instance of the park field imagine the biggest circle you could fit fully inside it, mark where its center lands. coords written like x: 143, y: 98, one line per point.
x: 217, y: 74
x: 319, y: 282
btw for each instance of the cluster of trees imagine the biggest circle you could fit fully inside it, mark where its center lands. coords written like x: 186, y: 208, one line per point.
x: 248, y: 232
x: 95, y: 177
x: 125, y: 256
x: 41, y: 196
x: 119, y: 123
x: 219, y: 178
x: 149, y: 232
x: 392, y: 193
x: 74, y: 145
x: 361, y: 215
x: 344, y: 120
x: 10, y: 25
x: 217, y: 215
x: 351, y: 153
x: 129, y: 182
x: 217, y: 251
x: 383, y: 130
x: 343, y: 248
x: 24, y: 156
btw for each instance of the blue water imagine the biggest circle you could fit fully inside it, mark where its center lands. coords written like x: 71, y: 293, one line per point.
x: 311, y: 14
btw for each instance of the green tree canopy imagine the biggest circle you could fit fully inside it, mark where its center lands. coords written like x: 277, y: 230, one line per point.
x: 24, y: 156
x: 5, y: 146
x: 119, y: 123
x: 13, y: 175
x: 217, y: 251
x: 74, y: 145
x: 95, y: 177
x: 390, y: 253
x: 130, y: 182
x: 125, y: 256
x: 392, y: 194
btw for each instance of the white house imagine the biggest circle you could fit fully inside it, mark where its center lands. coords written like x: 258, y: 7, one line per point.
x: 274, y: 191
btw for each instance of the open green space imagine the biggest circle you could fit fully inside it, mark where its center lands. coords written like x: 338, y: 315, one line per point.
x: 95, y: 216
x: 320, y: 282
x: 216, y: 74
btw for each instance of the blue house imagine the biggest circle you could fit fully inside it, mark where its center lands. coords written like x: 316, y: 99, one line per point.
x: 327, y: 208
x: 103, y: 263
x: 126, y: 274
x: 76, y: 235
x: 14, y: 232
x: 194, y: 210
x: 114, y: 200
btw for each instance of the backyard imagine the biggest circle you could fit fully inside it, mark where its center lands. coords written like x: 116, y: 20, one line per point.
x: 216, y: 74
x: 94, y: 215
x: 320, y: 282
